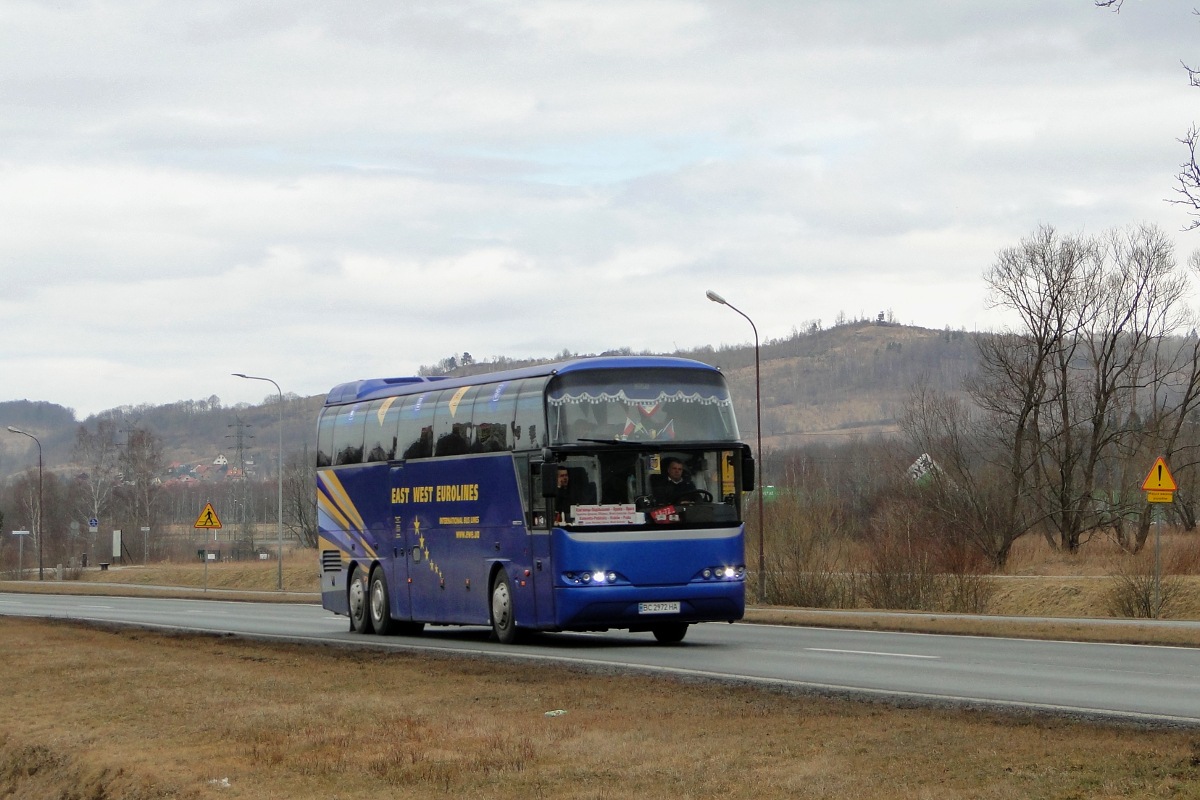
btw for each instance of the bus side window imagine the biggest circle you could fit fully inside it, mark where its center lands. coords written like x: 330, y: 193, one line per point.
x: 380, y: 442
x: 415, y: 436
x: 495, y: 408
x: 325, y: 437
x: 529, y: 429
x: 348, y: 434
x: 452, y: 425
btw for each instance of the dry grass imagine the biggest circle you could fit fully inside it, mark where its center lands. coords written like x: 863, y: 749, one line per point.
x: 300, y: 574
x: 1032, y: 555
x: 124, y: 714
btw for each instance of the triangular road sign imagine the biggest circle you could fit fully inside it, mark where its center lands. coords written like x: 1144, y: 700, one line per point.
x: 1159, y: 479
x: 208, y: 518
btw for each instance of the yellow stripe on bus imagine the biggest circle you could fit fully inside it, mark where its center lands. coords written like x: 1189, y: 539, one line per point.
x: 338, y: 494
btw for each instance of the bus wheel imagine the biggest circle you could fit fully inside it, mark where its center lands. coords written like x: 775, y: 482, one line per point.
x: 504, y: 623
x: 670, y: 634
x: 381, y: 604
x: 360, y: 615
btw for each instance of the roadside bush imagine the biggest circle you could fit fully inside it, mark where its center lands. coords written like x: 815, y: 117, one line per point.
x: 1132, y: 591
x: 807, y: 555
x: 806, y: 571
x: 917, y: 564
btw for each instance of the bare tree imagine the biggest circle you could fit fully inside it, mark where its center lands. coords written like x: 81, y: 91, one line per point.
x: 141, y: 463
x: 1128, y: 306
x: 1065, y: 393
x: 300, y: 497
x: 1048, y: 280
x: 1188, y: 177
x: 96, y: 454
x: 970, y: 490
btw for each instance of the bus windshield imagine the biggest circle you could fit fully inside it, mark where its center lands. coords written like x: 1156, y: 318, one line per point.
x: 640, y: 404
x: 637, y: 487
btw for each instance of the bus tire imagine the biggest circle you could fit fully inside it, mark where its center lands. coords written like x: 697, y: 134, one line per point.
x: 360, y: 614
x: 381, y: 604
x: 504, y: 621
x: 672, y: 633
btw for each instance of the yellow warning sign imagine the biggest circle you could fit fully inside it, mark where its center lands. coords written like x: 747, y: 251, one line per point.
x: 1159, y: 479
x: 1160, y: 497
x: 208, y: 518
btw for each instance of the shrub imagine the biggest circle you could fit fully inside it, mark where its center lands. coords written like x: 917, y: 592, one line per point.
x: 1132, y: 590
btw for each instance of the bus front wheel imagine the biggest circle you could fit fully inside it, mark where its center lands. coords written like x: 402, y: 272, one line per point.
x: 504, y: 622
x: 360, y: 614
x: 670, y: 634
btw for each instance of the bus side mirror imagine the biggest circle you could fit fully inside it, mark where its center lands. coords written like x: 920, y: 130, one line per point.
x: 549, y: 479
x: 747, y: 473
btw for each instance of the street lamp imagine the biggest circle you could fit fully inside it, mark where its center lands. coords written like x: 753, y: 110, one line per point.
x: 280, y: 465
x: 762, y: 558
x: 37, y: 528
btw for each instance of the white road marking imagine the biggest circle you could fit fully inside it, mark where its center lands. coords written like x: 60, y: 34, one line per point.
x: 867, y: 653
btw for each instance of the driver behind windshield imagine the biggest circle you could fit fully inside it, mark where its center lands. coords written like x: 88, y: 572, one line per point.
x: 674, y: 485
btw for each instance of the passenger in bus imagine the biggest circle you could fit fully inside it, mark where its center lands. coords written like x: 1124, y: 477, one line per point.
x: 673, y: 485
x: 573, y: 490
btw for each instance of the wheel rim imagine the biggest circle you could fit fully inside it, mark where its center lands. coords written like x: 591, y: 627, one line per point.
x: 377, y: 600
x: 357, y: 601
x: 501, y: 605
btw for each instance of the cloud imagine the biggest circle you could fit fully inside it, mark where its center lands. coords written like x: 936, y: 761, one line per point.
x: 325, y: 193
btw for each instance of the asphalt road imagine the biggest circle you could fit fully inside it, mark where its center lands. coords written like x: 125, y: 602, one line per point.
x: 1133, y: 682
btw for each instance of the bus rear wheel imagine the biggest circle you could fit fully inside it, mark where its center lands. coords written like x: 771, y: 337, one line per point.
x: 360, y: 614
x: 381, y: 604
x: 671, y: 634
x: 504, y: 621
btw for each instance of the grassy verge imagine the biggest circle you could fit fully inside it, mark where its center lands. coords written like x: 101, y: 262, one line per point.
x: 128, y: 714
x: 137, y: 590
x: 916, y: 622
x: 300, y: 574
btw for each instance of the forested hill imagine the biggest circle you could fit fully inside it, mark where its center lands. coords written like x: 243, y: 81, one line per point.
x: 831, y: 383
x: 192, y: 431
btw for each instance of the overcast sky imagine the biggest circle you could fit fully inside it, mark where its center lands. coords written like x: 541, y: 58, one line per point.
x: 332, y: 191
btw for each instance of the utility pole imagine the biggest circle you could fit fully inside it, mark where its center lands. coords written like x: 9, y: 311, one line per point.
x: 239, y: 437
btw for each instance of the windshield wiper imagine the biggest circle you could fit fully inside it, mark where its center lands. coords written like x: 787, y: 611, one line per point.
x: 615, y: 441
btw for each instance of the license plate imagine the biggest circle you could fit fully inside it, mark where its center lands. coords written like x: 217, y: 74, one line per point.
x: 659, y: 608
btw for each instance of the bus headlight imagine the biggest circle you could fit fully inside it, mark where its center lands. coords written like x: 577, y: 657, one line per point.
x: 585, y: 576
x: 612, y: 577
x: 707, y: 573
x: 729, y: 573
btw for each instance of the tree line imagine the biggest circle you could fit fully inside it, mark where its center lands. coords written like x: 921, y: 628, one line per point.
x: 119, y: 484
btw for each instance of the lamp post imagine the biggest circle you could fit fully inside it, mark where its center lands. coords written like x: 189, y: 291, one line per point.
x: 762, y: 558
x: 37, y: 530
x: 279, y: 467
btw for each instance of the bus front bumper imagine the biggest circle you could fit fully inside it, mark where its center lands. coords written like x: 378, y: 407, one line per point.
x: 596, y: 607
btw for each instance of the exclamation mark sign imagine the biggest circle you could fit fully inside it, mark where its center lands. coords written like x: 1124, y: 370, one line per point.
x: 1160, y: 474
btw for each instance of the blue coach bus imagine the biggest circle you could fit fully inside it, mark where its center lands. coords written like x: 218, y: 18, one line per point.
x: 580, y: 496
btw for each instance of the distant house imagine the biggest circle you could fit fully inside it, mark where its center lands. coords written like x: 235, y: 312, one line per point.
x: 220, y: 460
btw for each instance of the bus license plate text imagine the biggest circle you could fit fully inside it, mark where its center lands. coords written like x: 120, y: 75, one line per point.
x: 659, y: 608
